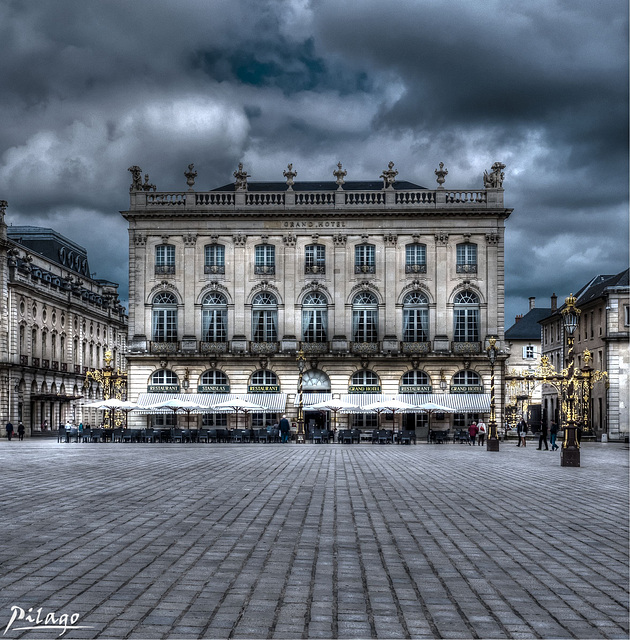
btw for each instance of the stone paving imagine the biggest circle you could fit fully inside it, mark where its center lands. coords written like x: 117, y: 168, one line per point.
x: 315, y: 541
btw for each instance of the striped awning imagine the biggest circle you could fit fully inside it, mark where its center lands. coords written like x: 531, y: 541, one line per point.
x: 459, y: 402
x: 273, y: 402
x: 311, y: 398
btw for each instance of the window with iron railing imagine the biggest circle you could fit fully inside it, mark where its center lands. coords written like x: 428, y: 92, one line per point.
x: 416, y: 258
x: 467, y: 258
x: 315, y: 258
x: 164, y: 259
x: 214, y: 258
x: 365, y: 258
x: 265, y: 259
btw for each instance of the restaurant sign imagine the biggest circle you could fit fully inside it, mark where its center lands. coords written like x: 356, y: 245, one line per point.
x: 263, y: 388
x: 466, y: 388
x: 213, y: 388
x: 415, y: 388
x: 163, y: 388
x: 364, y: 388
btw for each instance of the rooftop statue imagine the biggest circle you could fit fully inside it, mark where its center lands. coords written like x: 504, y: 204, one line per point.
x: 494, y: 180
x: 136, y: 178
x: 241, y: 178
x: 190, y: 175
x: 340, y: 174
x: 441, y: 174
x: 289, y: 175
x: 389, y: 176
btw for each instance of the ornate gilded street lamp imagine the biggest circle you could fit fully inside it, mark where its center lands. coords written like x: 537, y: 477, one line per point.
x: 570, y: 454
x: 114, y: 383
x: 493, y: 438
x: 301, y: 363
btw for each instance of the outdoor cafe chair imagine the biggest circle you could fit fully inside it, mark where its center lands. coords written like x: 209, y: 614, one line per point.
x: 345, y: 436
x: 177, y: 435
x: 384, y: 436
x: 262, y: 435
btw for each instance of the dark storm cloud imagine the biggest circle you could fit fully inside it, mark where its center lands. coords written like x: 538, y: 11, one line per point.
x: 88, y: 89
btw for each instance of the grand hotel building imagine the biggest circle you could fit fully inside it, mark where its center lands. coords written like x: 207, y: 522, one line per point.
x: 389, y: 288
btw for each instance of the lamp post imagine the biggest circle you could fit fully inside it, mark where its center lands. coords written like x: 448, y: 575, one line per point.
x: 114, y: 385
x: 570, y: 453
x: 492, y: 352
x: 301, y: 363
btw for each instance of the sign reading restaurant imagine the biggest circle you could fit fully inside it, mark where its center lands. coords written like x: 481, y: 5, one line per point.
x: 163, y: 388
x: 364, y: 388
x: 415, y: 388
x: 263, y: 388
x: 466, y: 388
x: 213, y: 388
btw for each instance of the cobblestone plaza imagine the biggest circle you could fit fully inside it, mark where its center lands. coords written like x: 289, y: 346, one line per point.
x: 331, y: 541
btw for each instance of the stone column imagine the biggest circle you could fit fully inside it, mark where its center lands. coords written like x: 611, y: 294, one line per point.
x: 443, y: 322
x: 494, y: 282
x: 390, y: 285
x: 239, y: 269
x: 290, y: 279
x: 337, y: 327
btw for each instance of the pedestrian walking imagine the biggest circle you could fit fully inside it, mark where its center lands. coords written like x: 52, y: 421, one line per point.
x: 472, y: 433
x: 522, y: 432
x: 481, y: 432
x: 554, y: 434
x: 285, y: 428
x: 542, y: 439
x: 9, y: 429
x: 519, y: 428
x: 20, y: 430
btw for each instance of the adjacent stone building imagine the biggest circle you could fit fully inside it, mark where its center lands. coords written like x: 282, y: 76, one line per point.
x: 601, y: 344
x: 57, y: 322
x: 523, y: 342
x: 389, y: 288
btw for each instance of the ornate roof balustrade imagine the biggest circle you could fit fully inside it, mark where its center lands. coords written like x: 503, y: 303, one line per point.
x: 400, y: 199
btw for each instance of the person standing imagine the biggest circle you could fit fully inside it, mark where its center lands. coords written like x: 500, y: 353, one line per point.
x: 472, y: 433
x: 519, y: 428
x: 285, y: 428
x: 554, y: 434
x: 9, y: 429
x: 543, y: 437
x: 522, y: 432
x: 481, y: 432
x: 20, y: 430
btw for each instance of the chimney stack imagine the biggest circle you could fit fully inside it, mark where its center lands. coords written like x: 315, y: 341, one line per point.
x: 517, y: 318
x: 554, y: 302
x: 532, y: 302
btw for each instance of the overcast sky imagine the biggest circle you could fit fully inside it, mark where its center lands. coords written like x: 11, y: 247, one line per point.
x: 90, y: 88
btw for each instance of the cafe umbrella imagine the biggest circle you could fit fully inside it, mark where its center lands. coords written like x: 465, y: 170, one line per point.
x: 175, y: 405
x: 237, y: 404
x: 114, y: 404
x: 334, y: 406
x: 389, y: 406
x: 432, y: 407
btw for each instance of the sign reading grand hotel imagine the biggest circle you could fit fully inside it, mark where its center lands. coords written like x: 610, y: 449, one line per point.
x: 264, y: 388
x: 314, y: 224
x: 364, y: 388
x: 466, y: 388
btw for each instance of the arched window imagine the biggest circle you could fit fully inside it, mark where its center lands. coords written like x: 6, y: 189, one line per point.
x: 365, y: 378
x: 264, y: 377
x: 466, y: 317
x: 315, y: 381
x: 365, y: 317
x: 415, y: 318
x: 214, y: 381
x: 314, y: 318
x: 467, y: 257
x: 164, y: 378
x: 265, y: 259
x: 214, y: 318
x: 164, y: 259
x: 364, y: 258
x: 467, y: 378
x: 315, y: 258
x: 165, y: 317
x: 264, y: 317
x: 416, y: 258
x: 415, y: 378
x: 214, y: 258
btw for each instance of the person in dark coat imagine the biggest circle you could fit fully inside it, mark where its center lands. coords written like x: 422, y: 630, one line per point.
x: 472, y: 432
x: 285, y: 429
x: 9, y: 429
x: 543, y: 437
x: 554, y: 435
x: 20, y: 430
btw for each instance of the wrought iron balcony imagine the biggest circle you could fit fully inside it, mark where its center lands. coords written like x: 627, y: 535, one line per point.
x: 466, y: 347
x: 412, y: 348
x: 415, y: 268
x: 264, y: 270
x: 164, y: 269
x: 366, y: 268
x: 365, y: 348
x: 315, y: 268
x: 314, y: 348
x: 263, y: 348
x: 213, y: 347
x: 466, y: 268
x: 214, y: 268
x: 164, y: 347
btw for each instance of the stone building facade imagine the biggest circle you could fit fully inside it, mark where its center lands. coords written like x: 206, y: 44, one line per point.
x: 57, y: 322
x: 389, y: 289
x: 601, y: 344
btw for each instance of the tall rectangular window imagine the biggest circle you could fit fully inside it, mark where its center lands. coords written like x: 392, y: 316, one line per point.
x: 416, y: 258
x: 265, y: 259
x: 315, y: 259
x: 364, y: 258
x: 164, y: 325
x: 214, y: 258
x: 467, y: 258
x: 164, y: 259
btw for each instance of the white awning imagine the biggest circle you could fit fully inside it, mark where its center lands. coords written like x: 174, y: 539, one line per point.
x: 460, y: 402
x: 274, y: 402
x: 311, y: 398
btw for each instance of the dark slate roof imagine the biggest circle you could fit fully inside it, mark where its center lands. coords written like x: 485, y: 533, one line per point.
x: 369, y: 185
x: 527, y: 328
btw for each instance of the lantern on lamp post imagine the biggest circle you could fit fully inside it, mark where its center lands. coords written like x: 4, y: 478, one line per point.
x: 570, y: 453
x: 492, y: 352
